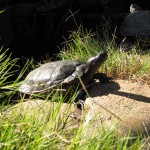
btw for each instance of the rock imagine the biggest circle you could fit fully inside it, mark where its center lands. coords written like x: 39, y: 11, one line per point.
x: 62, y: 113
x: 121, y: 103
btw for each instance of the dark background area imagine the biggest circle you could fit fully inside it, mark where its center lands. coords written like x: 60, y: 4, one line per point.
x: 35, y: 29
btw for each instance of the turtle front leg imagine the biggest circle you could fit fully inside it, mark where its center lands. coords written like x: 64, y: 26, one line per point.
x: 80, y: 98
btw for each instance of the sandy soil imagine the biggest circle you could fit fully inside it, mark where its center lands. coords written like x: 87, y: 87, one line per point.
x: 123, y: 102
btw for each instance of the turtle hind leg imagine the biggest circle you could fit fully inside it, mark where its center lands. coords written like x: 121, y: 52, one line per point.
x: 80, y: 98
x: 103, y: 78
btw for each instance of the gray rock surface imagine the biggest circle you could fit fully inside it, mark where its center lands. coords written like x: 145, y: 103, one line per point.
x: 122, y: 103
x: 61, y: 113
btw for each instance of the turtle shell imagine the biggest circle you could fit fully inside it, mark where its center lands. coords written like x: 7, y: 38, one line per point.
x: 52, y: 74
x: 136, y: 24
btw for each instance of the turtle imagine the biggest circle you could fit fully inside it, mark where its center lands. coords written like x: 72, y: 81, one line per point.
x: 135, y: 28
x: 64, y: 74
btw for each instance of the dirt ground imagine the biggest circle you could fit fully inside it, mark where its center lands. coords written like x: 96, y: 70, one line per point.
x: 123, y: 102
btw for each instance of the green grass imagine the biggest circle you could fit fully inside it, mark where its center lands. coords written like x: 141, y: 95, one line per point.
x: 123, y: 65
x: 10, y: 75
x: 30, y: 131
x: 41, y: 128
x: 2, y: 11
x: 45, y: 129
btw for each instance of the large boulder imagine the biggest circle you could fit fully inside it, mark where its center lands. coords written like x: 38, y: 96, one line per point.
x: 121, y: 103
x: 54, y: 114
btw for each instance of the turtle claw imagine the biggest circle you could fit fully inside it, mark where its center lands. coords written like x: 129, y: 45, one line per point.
x: 80, y: 104
x: 80, y: 95
x: 126, y: 44
x: 79, y: 99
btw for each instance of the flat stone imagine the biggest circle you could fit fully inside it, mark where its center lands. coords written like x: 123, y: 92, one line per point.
x: 63, y: 113
x: 120, y: 103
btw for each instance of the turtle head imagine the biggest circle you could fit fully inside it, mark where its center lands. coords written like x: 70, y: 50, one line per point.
x: 134, y: 8
x: 95, y: 62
